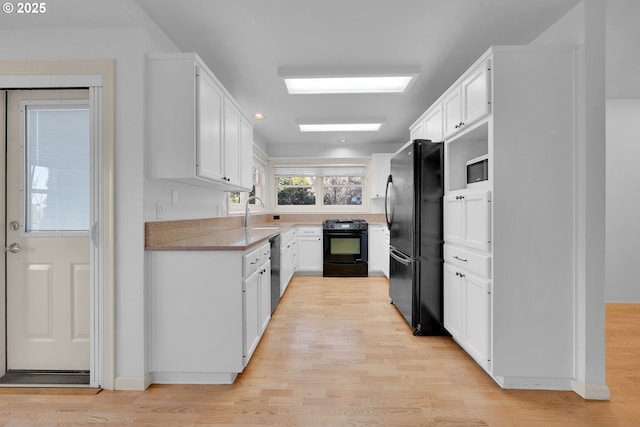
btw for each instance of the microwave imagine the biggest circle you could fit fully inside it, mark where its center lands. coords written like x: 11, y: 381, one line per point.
x: 478, y: 171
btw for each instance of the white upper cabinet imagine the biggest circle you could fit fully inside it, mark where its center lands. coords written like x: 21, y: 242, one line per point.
x: 246, y: 147
x: 232, y: 149
x: 430, y: 124
x: 196, y: 132
x: 209, y: 128
x: 417, y: 130
x: 452, y: 105
x: 475, y: 94
x: 468, y: 101
x: 380, y: 169
x: 433, y: 124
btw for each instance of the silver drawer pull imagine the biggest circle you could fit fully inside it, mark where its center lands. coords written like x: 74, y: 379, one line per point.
x: 460, y: 259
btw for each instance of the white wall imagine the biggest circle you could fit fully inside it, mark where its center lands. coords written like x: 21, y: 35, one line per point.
x: 583, y: 29
x: 623, y: 203
x: 126, y: 46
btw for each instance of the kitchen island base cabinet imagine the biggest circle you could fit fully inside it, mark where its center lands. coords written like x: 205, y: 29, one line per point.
x: 204, y: 325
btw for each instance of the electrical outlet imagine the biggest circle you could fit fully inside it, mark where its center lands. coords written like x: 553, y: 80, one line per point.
x: 159, y: 210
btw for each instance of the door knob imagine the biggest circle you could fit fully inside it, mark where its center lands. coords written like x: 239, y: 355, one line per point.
x: 14, y: 248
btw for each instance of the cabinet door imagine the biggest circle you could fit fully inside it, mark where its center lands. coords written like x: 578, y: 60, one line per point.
x: 380, y: 169
x: 475, y: 95
x: 433, y: 125
x: 209, y: 128
x: 285, y: 268
x: 252, y: 327
x: 452, y: 106
x: 417, y: 131
x: 231, y: 146
x: 246, y: 154
x: 310, y: 253
x: 378, y: 250
x: 452, y: 218
x: 453, y: 303
x: 476, y: 219
x: 386, y: 243
x: 477, y: 319
x: 265, y: 295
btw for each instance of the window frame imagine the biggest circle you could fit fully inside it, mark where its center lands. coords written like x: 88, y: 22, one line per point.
x: 319, y: 206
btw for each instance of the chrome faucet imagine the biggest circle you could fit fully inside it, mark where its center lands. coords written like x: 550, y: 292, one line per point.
x: 246, y: 209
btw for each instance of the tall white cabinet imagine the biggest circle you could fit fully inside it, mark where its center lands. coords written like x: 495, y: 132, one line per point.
x: 509, y: 245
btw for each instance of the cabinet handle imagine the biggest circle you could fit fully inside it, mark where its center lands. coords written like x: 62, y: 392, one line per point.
x: 459, y: 197
x: 460, y: 259
x: 459, y: 274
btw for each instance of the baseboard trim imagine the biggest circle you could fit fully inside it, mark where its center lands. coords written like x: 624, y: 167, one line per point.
x: 591, y: 391
x: 194, y: 377
x: 534, y: 383
x: 132, y: 383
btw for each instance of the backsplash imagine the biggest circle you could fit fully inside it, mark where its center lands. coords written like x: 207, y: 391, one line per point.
x: 157, y: 232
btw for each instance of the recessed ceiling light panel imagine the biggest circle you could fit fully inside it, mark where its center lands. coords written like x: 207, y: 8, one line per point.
x: 393, y: 79
x: 326, y: 85
x: 340, y: 127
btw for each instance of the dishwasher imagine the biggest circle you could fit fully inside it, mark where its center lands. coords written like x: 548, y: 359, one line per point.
x: 275, y: 271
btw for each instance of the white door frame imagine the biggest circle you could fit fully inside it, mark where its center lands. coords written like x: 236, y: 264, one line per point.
x: 98, y: 76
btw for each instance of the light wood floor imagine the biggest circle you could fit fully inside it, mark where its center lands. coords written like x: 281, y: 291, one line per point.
x: 337, y: 354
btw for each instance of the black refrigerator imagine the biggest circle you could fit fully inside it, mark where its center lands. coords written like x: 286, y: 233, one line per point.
x: 413, y: 210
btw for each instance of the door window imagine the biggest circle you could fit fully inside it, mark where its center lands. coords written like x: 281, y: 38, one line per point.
x: 56, y: 179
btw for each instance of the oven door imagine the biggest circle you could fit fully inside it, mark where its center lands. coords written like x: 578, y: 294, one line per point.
x: 345, y: 247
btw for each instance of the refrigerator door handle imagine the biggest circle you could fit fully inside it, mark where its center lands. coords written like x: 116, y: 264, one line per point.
x: 399, y: 257
x: 388, y: 202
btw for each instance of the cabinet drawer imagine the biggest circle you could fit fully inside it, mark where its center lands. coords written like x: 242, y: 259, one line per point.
x: 250, y: 262
x: 265, y: 253
x: 309, y: 231
x: 287, y: 236
x: 471, y: 261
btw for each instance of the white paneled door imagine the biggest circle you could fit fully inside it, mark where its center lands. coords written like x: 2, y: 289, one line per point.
x: 47, y: 230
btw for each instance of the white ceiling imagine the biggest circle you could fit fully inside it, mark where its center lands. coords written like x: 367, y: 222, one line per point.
x: 244, y: 42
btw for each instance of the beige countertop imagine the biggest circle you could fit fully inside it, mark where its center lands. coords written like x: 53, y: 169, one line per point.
x: 216, y: 239
x: 220, y: 234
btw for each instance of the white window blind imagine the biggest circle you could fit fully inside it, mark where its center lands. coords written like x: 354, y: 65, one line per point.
x: 318, y: 170
x: 57, y: 168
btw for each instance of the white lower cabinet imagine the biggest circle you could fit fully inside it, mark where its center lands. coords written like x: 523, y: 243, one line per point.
x: 207, y: 310
x: 256, y: 295
x: 309, y: 249
x: 251, y: 315
x: 378, y: 249
x: 467, y: 218
x: 288, y: 258
x: 467, y: 312
x: 453, y: 303
x: 477, y: 300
